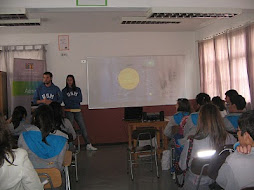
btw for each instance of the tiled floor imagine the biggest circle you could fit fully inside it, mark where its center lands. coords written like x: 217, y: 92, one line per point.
x: 105, y: 169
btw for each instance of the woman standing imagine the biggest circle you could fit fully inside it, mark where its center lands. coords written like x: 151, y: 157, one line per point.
x: 72, y: 97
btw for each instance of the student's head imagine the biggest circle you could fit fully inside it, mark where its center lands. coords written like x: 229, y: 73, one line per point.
x: 246, y: 128
x: 58, y: 114
x: 202, y: 99
x: 47, y: 78
x: 183, y: 105
x: 237, y: 104
x: 229, y: 94
x: 6, y: 143
x: 43, y: 118
x: 211, y: 123
x: 18, y: 115
x: 70, y: 82
x: 219, y: 103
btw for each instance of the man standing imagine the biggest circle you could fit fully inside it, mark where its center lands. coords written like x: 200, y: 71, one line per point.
x: 47, y: 92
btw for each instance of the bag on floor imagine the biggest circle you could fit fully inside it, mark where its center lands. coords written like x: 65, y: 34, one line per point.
x: 165, y: 160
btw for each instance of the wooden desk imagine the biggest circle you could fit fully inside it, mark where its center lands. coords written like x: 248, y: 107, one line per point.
x: 159, y: 125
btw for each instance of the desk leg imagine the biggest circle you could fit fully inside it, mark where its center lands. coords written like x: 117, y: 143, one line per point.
x: 158, y: 144
x: 129, y: 137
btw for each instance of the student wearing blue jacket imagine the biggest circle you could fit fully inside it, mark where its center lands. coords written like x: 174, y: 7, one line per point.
x: 72, y: 97
x: 47, y: 92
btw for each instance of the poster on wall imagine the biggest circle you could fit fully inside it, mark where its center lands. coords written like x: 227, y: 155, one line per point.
x: 135, y: 81
x: 27, y: 76
x: 63, y: 42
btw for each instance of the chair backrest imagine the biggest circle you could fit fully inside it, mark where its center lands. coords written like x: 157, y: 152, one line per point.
x: 67, y: 158
x: 197, y: 164
x: 53, y: 175
x: 144, y: 133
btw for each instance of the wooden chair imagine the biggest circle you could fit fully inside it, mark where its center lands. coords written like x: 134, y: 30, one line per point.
x: 50, y: 177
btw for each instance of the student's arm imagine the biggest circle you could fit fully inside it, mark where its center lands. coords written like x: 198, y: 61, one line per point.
x: 226, y: 178
x: 80, y: 97
x: 59, y: 96
x: 188, y: 126
x: 36, y: 96
x: 183, y: 157
x: 168, y: 129
x: 69, y: 128
x: 229, y: 127
x: 65, y: 97
x: 30, y: 179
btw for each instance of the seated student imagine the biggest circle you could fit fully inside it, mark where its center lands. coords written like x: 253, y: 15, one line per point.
x: 16, y: 170
x: 228, y: 95
x: 238, y: 170
x: 190, y: 126
x: 211, y: 134
x: 236, y: 107
x: 220, y: 104
x: 17, y: 121
x: 45, y: 145
x: 183, y: 109
x: 62, y: 123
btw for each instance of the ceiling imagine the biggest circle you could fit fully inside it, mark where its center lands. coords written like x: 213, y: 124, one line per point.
x: 103, y: 19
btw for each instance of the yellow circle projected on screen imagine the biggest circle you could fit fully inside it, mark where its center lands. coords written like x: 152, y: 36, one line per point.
x: 128, y: 78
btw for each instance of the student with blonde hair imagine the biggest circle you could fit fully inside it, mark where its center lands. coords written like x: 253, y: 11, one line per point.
x: 211, y: 134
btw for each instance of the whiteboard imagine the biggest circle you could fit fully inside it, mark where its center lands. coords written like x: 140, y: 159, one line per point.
x: 135, y: 81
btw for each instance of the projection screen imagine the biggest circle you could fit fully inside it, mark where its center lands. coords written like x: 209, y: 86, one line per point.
x: 134, y: 81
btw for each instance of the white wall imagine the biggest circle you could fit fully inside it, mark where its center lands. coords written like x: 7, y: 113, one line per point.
x: 84, y: 45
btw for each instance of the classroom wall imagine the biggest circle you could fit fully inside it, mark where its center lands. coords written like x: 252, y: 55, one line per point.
x: 106, y: 126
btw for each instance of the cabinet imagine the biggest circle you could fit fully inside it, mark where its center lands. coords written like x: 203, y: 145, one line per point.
x: 3, y: 93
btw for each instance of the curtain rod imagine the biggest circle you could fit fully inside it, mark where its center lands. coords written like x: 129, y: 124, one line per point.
x: 227, y: 31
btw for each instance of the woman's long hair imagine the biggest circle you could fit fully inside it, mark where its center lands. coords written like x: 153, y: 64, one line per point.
x: 73, y: 86
x: 18, y: 115
x: 6, y: 143
x: 43, y: 118
x: 58, y: 114
x: 210, y: 123
x: 184, y: 105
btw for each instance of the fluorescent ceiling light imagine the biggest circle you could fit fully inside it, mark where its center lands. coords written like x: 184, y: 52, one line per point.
x: 22, y: 22
x: 144, y: 20
x: 184, y: 12
x: 12, y: 13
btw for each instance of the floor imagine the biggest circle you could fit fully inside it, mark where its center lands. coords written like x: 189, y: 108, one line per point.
x: 106, y: 169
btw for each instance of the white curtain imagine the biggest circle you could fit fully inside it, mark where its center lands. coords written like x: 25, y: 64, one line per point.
x: 226, y: 62
x: 7, y: 55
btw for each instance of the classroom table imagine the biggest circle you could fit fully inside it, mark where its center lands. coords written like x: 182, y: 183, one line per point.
x: 160, y: 137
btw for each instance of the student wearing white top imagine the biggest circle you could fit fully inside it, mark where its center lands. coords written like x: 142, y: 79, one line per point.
x: 16, y: 170
x: 238, y: 170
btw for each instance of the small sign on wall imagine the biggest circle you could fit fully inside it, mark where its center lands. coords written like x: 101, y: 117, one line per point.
x: 63, y: 42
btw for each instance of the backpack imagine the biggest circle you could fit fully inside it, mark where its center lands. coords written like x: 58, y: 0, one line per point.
x: 218, y: 159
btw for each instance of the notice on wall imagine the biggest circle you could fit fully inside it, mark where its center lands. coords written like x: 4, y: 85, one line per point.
x: 63, y: 42
x: 135, y: 81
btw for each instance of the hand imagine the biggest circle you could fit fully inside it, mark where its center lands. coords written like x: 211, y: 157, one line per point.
x: 246, y: 149
x: 47, y: 101
x: 9, y: 120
